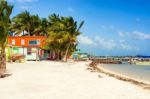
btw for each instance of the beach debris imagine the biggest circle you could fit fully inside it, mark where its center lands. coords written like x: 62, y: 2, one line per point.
x: 148, y: 88
x: 5, y: 75
x: 100, y: 76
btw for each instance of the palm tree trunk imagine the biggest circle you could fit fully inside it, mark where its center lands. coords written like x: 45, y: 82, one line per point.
x: 29, y: 32
x: 60, y: 55
x: 2, y: 61
x: 57, y: 55
x: 53, y: 54
x: 66, y: 54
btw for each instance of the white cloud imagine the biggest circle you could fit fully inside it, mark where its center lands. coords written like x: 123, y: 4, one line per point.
x: 140, y: 35
x: 25, y: 7
x: 121, y: 41
x: 70, y: 9
x: 107, y: 44
x: 121, y: 34
x: 127, y: 47
x: 23, y: 4
x: 135, y: 34
x: 85, y: 40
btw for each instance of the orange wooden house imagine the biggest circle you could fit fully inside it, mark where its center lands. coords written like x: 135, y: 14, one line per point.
x: 30, y: 46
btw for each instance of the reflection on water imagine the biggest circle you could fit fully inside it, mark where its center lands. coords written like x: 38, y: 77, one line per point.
x: 134, y: 71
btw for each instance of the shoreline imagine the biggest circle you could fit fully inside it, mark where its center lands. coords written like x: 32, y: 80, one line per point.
x: 140, y: 83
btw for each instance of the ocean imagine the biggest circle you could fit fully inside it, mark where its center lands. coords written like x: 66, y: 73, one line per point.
x: 140, y: 72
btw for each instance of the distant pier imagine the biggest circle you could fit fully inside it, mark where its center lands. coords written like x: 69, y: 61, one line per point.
x: 119, y: 60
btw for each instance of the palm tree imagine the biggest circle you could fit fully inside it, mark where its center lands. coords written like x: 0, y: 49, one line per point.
x: 73, y: 30
x: 33, y: 24
x: 42, y: 27
x: 55, y: 38
x: 22, y: 22
x: 36, y: 24
x: 63, y: 32
x: 5, y: 12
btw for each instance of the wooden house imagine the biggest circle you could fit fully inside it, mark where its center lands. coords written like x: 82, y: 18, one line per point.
x: 30, y: 46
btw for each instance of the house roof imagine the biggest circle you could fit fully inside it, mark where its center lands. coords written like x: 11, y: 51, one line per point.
x: 24, y: 41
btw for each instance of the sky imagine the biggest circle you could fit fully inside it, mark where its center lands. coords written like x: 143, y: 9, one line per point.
x: 112, y: 27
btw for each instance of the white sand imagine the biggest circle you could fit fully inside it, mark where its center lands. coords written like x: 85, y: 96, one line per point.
x: 56, y: 80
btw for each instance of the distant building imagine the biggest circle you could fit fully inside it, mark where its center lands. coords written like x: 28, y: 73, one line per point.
x: 79, y: 55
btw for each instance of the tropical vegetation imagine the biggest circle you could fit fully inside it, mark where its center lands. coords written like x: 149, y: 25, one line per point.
x: 62, y: 35
x: 61, y: 32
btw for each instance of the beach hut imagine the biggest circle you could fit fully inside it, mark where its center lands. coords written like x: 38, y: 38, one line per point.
x: 30, y: 46
x: 79, y: 55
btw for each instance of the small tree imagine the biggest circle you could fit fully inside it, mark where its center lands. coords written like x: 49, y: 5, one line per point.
x: 5, y: 12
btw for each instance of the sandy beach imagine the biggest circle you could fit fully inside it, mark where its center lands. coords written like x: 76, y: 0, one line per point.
x: 58, y: 80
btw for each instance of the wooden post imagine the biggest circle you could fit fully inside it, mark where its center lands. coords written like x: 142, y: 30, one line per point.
x: 23, y: 50
x: 36, y: 54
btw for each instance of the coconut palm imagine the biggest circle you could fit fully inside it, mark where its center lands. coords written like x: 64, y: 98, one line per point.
x: 33, y: 24
x: 42, y: 28
x: 5, y: 12
x: 22, y: 22
x: 36, y: 24
x: 72, y: 30
x: 55, y: 38
x: 63, y: 32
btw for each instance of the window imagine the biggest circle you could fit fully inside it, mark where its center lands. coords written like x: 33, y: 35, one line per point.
x: 22, y: 42
x: 15, y: 50
x: 34, y: 42
x: 29, y: 51
x: 38, y: 42
x: 13, y: 42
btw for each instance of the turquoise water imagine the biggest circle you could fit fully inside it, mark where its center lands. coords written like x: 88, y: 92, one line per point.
x: 140, y: 72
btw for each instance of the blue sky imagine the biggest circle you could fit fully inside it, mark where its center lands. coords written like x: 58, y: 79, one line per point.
x: 112, y: 27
